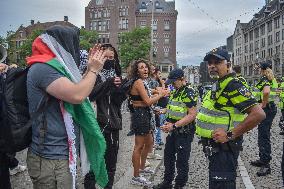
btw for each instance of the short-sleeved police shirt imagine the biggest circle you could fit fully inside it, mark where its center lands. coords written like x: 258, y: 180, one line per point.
x: 262, y: 83
x: 188, y: 96
x: 238, y: 95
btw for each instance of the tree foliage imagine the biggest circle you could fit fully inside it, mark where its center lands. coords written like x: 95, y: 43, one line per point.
x: 134, y: 45
x: 87, y: 38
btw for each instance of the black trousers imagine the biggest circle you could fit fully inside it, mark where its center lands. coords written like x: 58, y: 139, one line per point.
x: 4, y: 172
x: 112, y: 142
x: 222, y: 169
x: 264, y: 133
x: 177, y: 153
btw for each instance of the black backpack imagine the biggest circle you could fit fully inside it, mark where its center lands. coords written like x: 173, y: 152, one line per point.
x: 15, y: 121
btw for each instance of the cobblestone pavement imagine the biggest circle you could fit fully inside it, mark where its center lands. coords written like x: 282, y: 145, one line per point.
x: 22, y: 180
x: 198, y: 174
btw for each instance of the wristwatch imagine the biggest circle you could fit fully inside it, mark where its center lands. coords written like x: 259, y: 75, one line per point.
x: 174, y: 126
x: 230, y: 135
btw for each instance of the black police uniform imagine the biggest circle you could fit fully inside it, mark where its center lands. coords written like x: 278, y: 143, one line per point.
x: 264, y: 133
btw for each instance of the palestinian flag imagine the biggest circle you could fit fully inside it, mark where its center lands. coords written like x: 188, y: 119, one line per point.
x: 58, y: 47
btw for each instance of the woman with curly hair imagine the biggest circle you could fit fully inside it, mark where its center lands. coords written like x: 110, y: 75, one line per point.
x: 142, y: 118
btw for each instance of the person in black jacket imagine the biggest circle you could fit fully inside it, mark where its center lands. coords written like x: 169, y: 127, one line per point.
x: 4, y: 160
x: 109, y: 96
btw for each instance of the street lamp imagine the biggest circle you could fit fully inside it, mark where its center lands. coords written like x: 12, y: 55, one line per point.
x: 152, y: 30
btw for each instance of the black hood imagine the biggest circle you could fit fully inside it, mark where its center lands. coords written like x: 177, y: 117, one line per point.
x: 68, y: 38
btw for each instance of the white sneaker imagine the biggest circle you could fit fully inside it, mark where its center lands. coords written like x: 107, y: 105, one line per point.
x: 158, y: 157
x: 147, y: 164
x: 18, y: 169
x: 140, y: 181
x: 147, y: 171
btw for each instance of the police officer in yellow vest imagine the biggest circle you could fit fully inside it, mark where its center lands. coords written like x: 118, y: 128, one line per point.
x: 238, y: 70
x: 268, y: 86
x: 222, y: 120
x: 281, y: 104
x: 180, y: 116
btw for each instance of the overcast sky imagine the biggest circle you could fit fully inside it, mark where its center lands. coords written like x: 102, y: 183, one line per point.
x: 201, y: 25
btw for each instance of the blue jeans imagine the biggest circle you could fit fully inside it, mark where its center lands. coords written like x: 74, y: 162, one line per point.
x: 158, y: 138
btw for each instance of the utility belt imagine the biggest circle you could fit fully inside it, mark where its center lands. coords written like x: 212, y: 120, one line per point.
x: 211, y: 147
x: 187, y: 129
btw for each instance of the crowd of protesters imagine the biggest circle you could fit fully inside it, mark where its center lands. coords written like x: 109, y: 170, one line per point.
x: 81, y: 93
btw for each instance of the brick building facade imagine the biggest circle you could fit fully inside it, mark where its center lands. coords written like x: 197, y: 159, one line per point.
x: 111, y: 17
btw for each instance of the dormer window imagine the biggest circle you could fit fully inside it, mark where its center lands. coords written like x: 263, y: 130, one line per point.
x: 157, y: 3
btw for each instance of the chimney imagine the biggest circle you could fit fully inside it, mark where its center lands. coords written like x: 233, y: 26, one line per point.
x: 32, y: 22
x: 65, y: 18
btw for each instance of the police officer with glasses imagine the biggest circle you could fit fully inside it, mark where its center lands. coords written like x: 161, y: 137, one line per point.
x: 228, y: 111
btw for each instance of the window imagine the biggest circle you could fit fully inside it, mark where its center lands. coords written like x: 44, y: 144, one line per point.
x: 269, y: 40
x: 166, y: 25
x: 123, y: 24
x: 263, y: 54
x: 167, y: 38
x: 269, y: 26
x: 263, y: 42
x: 282, y: 19
x: 157, y: 3
x: 257, y: 55
x: 246, y: 49
x: 256, y: 33
x: 143, y: 23
x: 99, y: 2
x: 165, y: 69
x: 277, y: 36
x: 99, y: 25
x: 251, y: 35
x: 107, y: 24
x: 123, y: 11
x: 256, y: 45
x: 262, y: 29
x: 270, y: 52
x: 246, y: 38
x: 99, y: 14
x: 94, y: 25
x: 250, y: 70
x: 277, y: 22
x: 282, y: 34
x: 277, y: 49
x: 155, y: 24
x: 245, y: 70
x: 251, y: 47
x: 166, y: 51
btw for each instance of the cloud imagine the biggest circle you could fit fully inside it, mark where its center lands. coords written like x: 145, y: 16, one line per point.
x: 201, y: 25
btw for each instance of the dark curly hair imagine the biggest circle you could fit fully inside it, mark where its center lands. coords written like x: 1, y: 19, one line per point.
x: 133, y: 68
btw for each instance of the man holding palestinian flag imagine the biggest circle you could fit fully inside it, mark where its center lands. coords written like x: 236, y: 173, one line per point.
x: 68, y: 118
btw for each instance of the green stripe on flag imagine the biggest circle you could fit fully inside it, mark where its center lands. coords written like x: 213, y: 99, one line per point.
x: 83, y: 115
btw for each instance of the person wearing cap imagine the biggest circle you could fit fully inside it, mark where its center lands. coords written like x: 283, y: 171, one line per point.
x: 238, y: 70
x: 268, y: 86
x: 180, y: 119
x: 221, y: 120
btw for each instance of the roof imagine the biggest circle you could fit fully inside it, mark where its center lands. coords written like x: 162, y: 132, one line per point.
x: 166, y: 6
x: 42, y: 26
